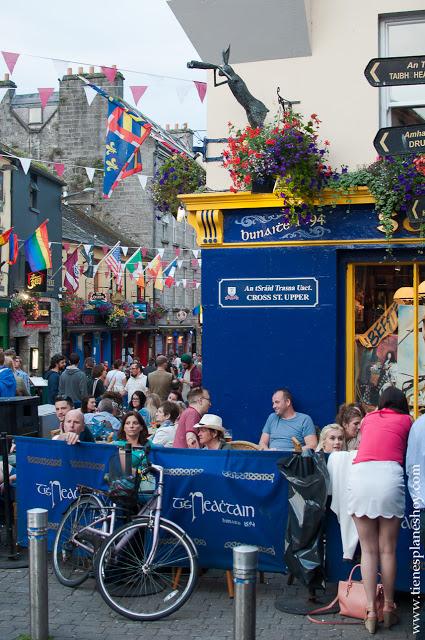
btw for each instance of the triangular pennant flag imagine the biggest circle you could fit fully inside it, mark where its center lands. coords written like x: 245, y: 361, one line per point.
x: 45, y: 93
x: 90, y: 173
x: 3, y: 92
x: 105, y: 249
x: 179, y: 263
x: 184, y: 283
x: 59, y: 168
x: 124, y: 251
x: 109, y: 72
x: 177, y: 251
x: 161, y: 252
x: 50, y: 245
x: 201, y: 88
x: 198, y: 284
x: 144, y: 252
x: 138, y: 92
x: 177, y: 283
x: 90, y: 94
x: 182, y: 90
x: 66, y: 246
x: 143, y: 180
x: 10, y: 59
x: 87, y: 248
x: 25, y: 164
x: 195, y: 252
x: 194, y: 263
x: 60, y: 67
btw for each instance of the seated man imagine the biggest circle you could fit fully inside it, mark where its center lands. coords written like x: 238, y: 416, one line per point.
x: 103, y: 419
x: 286, y: 423
x: 63, y: 404
x: 74, y: 429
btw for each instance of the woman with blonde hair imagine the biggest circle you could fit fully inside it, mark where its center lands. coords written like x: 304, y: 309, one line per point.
x: 332, y: 438
x: 152, y: 404
x: 350, y: 416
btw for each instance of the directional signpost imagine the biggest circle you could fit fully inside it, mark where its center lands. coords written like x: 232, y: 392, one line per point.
x: 400, y: 140
x: 385, y: 72
x: 417, y: 212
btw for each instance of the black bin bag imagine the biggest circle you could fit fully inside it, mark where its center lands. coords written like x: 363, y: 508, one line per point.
x: 308, y: 481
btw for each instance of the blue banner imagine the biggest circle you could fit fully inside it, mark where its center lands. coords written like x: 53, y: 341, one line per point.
x: 47, y: 474
x: 268, y: 292
x: 226, y: 498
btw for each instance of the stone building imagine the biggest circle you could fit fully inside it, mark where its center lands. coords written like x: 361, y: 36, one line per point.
x: 70, y: 130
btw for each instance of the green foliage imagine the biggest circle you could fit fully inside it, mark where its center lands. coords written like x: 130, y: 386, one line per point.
x: 179, y: 174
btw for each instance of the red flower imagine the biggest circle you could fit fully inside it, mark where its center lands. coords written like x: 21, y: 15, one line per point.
x: 247, y: 179
x: 270, y: 141
x: 326, y: 142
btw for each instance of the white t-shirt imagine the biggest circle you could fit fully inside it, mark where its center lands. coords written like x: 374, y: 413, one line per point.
x: 117, y: 378
x: 136, y: 384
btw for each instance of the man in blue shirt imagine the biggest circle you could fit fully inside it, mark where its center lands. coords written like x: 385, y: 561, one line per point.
x: 286, y: 423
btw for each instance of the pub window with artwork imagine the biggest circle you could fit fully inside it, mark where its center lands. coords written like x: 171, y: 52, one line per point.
x: 384, y: 333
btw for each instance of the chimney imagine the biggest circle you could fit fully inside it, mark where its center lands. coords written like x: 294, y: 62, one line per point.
x: 6, y: 77
x: 91, y: 70
x: 80, y: 70
x: 167, y: 127
x: 69, y: 71
x: 176, y: 126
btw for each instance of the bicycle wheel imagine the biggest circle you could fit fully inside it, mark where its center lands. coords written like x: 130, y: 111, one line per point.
x: 71, y: 563
x: 142, y: 592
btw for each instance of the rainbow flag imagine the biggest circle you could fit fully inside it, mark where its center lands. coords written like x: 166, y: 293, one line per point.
x: 37, y: 250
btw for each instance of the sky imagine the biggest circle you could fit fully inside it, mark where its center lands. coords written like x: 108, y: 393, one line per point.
x: 140, y: 36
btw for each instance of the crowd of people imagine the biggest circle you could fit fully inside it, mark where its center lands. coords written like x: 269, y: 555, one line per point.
x: 164, y: 403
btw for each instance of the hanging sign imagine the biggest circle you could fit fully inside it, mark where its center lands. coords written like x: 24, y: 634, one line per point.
x: 416, y: 213
x: 383, y: 72
x: 40, y: 314
x: 399, y: 140
x: 242, y: 293
x: 35, y: 280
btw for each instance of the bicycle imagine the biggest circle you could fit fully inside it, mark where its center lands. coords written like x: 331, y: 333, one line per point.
x: 145, y: 570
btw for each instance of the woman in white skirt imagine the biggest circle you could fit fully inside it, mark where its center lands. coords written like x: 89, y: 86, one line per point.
x: 376, y: 497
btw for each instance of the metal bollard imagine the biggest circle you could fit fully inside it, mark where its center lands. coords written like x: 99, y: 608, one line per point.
x: 39, y: 595
x: 245, y: 558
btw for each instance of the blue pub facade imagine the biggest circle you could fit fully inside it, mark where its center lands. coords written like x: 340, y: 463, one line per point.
x: 331, y: 310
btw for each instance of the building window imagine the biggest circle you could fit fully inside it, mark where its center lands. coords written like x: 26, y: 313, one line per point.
x: 34, y: 189
x: 35, y: 115
x: 164, y: 233
x: 174, y: 230
x: 382, y: 307
x: 402, y: 36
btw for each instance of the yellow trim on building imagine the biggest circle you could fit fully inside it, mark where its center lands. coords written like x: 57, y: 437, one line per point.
x: 350, y: 329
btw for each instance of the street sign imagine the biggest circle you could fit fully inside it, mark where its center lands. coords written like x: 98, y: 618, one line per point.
x: 417, y: 212
x: 385, y: 72
x: 399, y: 140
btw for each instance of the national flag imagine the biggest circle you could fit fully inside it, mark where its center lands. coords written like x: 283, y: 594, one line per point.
x: 13, y: 248
x: 134, y: 266
x: 126, y: 131
x: 72, y: 272
x: 154, y: 267
x: 4, y: 237
x: 37, y: 250
x: 88, y: 255
x: 113, y: 260
x: 169, y: 273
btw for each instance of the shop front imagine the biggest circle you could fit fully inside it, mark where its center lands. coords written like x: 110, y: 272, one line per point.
x: 332, y: 310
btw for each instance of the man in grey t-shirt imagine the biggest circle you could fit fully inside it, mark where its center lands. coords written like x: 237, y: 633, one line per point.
x: 286, y: 423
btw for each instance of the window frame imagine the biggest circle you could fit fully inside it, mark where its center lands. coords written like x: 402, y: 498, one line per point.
x: 385, y: 21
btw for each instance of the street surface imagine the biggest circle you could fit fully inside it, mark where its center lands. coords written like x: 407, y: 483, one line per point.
x: 82, y: 614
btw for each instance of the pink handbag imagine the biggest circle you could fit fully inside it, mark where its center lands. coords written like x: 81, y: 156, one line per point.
x: 351, y: 598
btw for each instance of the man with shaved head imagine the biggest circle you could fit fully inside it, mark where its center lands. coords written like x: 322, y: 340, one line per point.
x: 74, y: 428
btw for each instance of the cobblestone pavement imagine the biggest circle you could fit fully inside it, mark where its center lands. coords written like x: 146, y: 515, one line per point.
x: 81, y: 613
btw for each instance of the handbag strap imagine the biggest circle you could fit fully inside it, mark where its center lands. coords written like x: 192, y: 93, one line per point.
x: 325, y: 609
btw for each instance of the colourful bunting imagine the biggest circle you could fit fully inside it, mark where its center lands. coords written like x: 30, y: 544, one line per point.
x: 45, y: 93
x: 138, y: 92
x: 25, y: 164
x: 59, y: 168
x: 10, y: 59
x: 201, y: 88
x: 109, y: 72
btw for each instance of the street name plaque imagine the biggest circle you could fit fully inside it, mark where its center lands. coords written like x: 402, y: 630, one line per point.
x: 268, y: 292
x: 386, y: 72
x: 400, y: 140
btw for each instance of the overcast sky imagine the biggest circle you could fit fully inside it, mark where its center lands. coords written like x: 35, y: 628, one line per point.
x: 139, y: 35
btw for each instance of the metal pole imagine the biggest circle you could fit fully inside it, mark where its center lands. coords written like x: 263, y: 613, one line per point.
x: 8, y: 518
x: 37, y: 544
x: 128, y: 465
x: 245, y: 558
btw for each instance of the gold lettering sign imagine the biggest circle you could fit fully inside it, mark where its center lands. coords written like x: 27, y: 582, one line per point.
x: 34, y: 280
x: 384, y: 326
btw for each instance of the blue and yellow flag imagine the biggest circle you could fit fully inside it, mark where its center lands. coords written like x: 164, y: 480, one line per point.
x: 125, y: 134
